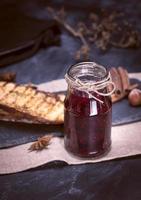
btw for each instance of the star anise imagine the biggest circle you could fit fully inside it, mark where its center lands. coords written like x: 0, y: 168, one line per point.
x: 41, y: 143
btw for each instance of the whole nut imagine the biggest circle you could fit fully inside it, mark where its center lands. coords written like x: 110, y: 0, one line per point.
x: 134, y: 97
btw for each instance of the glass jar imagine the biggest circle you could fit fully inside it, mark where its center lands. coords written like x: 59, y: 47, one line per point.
x: 88, y: 110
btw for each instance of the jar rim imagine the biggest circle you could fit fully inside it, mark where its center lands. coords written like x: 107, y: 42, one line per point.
x: 92, y: 66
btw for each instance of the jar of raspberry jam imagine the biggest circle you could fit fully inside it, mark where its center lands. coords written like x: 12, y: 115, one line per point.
x: 88, y: 110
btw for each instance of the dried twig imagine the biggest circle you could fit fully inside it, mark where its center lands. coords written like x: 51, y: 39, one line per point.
x: 8, y: 76
x: 102, y: 29
x: 84, y: 50
x: 68, y: 27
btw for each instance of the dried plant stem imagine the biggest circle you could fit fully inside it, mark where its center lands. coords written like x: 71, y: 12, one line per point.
x: 8, y: 76
x: 69, y: 28
x: 103, y: 30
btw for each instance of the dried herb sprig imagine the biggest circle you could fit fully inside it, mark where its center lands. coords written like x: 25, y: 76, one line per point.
x: 59, y: 16
x: 112, y: 29
x: 41, y: 143
x: 102, y: 29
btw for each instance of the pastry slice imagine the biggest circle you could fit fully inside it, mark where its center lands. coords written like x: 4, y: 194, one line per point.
x: 24, y: 102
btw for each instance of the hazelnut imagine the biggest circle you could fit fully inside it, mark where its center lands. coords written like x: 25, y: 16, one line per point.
x: 134, y: 97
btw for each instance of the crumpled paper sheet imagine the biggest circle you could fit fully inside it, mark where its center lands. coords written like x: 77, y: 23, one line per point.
x: 125, y: 142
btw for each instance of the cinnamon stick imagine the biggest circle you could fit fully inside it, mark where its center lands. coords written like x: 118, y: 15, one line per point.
x: 125, y: 78
x: 116, y: 98
x: 120, y: 75
x: 117, y: 80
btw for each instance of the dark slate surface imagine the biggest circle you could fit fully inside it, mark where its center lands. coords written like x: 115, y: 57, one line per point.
x: 123, y: 113
x: 12, y: 134
x: 111, y: 180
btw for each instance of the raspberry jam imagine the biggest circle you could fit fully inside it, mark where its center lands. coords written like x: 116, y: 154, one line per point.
x: 87, y: 122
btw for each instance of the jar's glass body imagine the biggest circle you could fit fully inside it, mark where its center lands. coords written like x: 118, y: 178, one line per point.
x: 87, y: 121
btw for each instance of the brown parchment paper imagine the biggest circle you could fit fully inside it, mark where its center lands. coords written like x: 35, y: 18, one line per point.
x: 126, y: 141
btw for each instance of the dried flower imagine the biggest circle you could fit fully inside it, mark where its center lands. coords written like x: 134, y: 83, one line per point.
x: 41, y: 143
x: 102, y: 29
x: 83, y: 53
